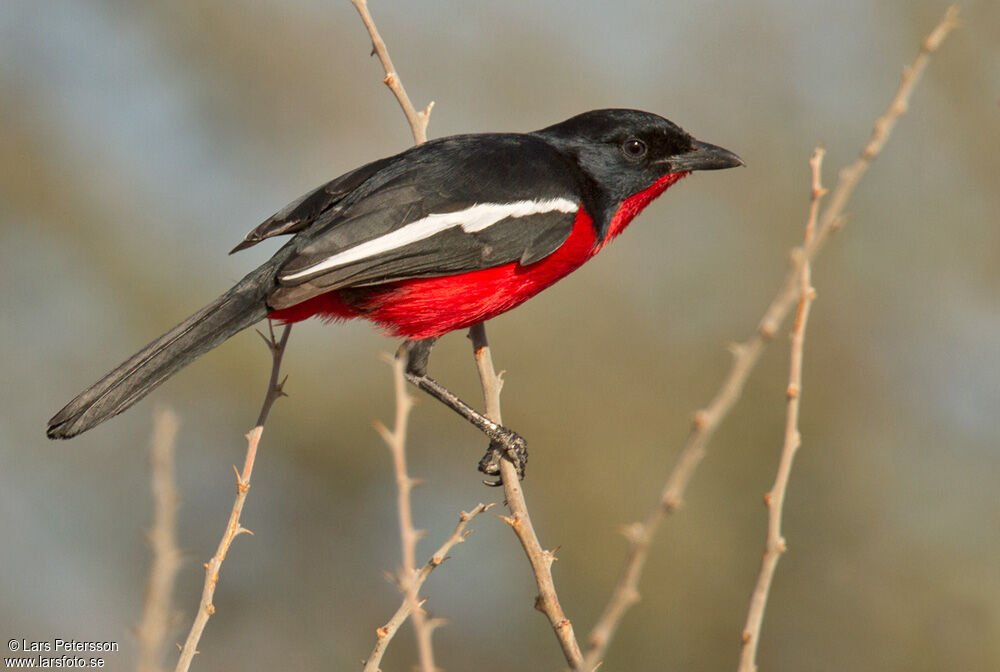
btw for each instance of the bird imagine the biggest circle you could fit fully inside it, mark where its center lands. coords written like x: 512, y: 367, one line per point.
x: 442, y: 236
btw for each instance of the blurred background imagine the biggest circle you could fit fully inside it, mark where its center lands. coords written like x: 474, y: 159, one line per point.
x: 140, y: 140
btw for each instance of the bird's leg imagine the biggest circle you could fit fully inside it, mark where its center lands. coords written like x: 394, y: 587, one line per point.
x: 504, y: 443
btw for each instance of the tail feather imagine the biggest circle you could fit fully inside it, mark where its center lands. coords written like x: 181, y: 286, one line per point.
x: 133, y: 379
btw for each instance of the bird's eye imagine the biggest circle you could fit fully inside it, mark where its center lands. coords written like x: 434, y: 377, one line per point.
x: 634, y: 148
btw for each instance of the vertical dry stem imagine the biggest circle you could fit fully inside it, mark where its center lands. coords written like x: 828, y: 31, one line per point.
x: 519, y: 520
x: 418, y: 126
x: 233, y: 527
x: 418, y: 120
x: 408, y: 535
x: 747, y: 354
x: 158, y: 613
x: 775, y: 498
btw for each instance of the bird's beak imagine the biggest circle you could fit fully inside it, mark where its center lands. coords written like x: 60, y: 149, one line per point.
x: 704, y: 157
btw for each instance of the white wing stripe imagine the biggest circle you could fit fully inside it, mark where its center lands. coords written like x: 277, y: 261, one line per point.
x: 478, y: 217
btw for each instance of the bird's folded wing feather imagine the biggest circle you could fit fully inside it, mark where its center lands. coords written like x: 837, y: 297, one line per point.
x: 440, y: 212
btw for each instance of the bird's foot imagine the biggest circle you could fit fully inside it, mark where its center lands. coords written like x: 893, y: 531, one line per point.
x: 509, y: 446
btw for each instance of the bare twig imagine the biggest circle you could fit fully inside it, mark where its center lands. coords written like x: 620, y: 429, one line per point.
x: 775, y: 498
x: 157, y: 613
x: 418, y: 120
x: 397, y: 439
x: 519, y: 520
x: 408, y: 535
x: 746, y: 355
x: 233, y: 527
x: 385, y: 634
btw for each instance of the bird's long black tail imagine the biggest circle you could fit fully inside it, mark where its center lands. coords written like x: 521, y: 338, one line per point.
x: 130, y: 381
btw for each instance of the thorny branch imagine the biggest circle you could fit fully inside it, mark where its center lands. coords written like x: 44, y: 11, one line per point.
x: 775, y: 498
x: 418, y: 120
x: 385, y: 634
x: 409, y: 579
x: 519, y: 520
x: 408, y: 535
x: 746, y: 355
x: 233, y: 527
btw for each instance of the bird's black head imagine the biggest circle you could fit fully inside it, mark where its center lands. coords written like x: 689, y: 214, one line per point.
x: 626, y: 151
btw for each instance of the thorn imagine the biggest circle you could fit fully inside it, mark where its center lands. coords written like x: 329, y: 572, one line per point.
x: 513, y: 521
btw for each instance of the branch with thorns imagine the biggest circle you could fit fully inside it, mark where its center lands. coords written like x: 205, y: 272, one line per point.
x: 775, y: 498
x: 747, y: 354
x: 519, y: 520
x: 408, y: 534
x: 385, y: 633
x: 275, y: 390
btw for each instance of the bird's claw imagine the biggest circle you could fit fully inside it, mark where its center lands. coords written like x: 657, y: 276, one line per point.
x: 510, y: 447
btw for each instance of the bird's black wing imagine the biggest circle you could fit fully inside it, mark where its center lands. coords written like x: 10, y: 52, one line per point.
x: 450, y: 206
